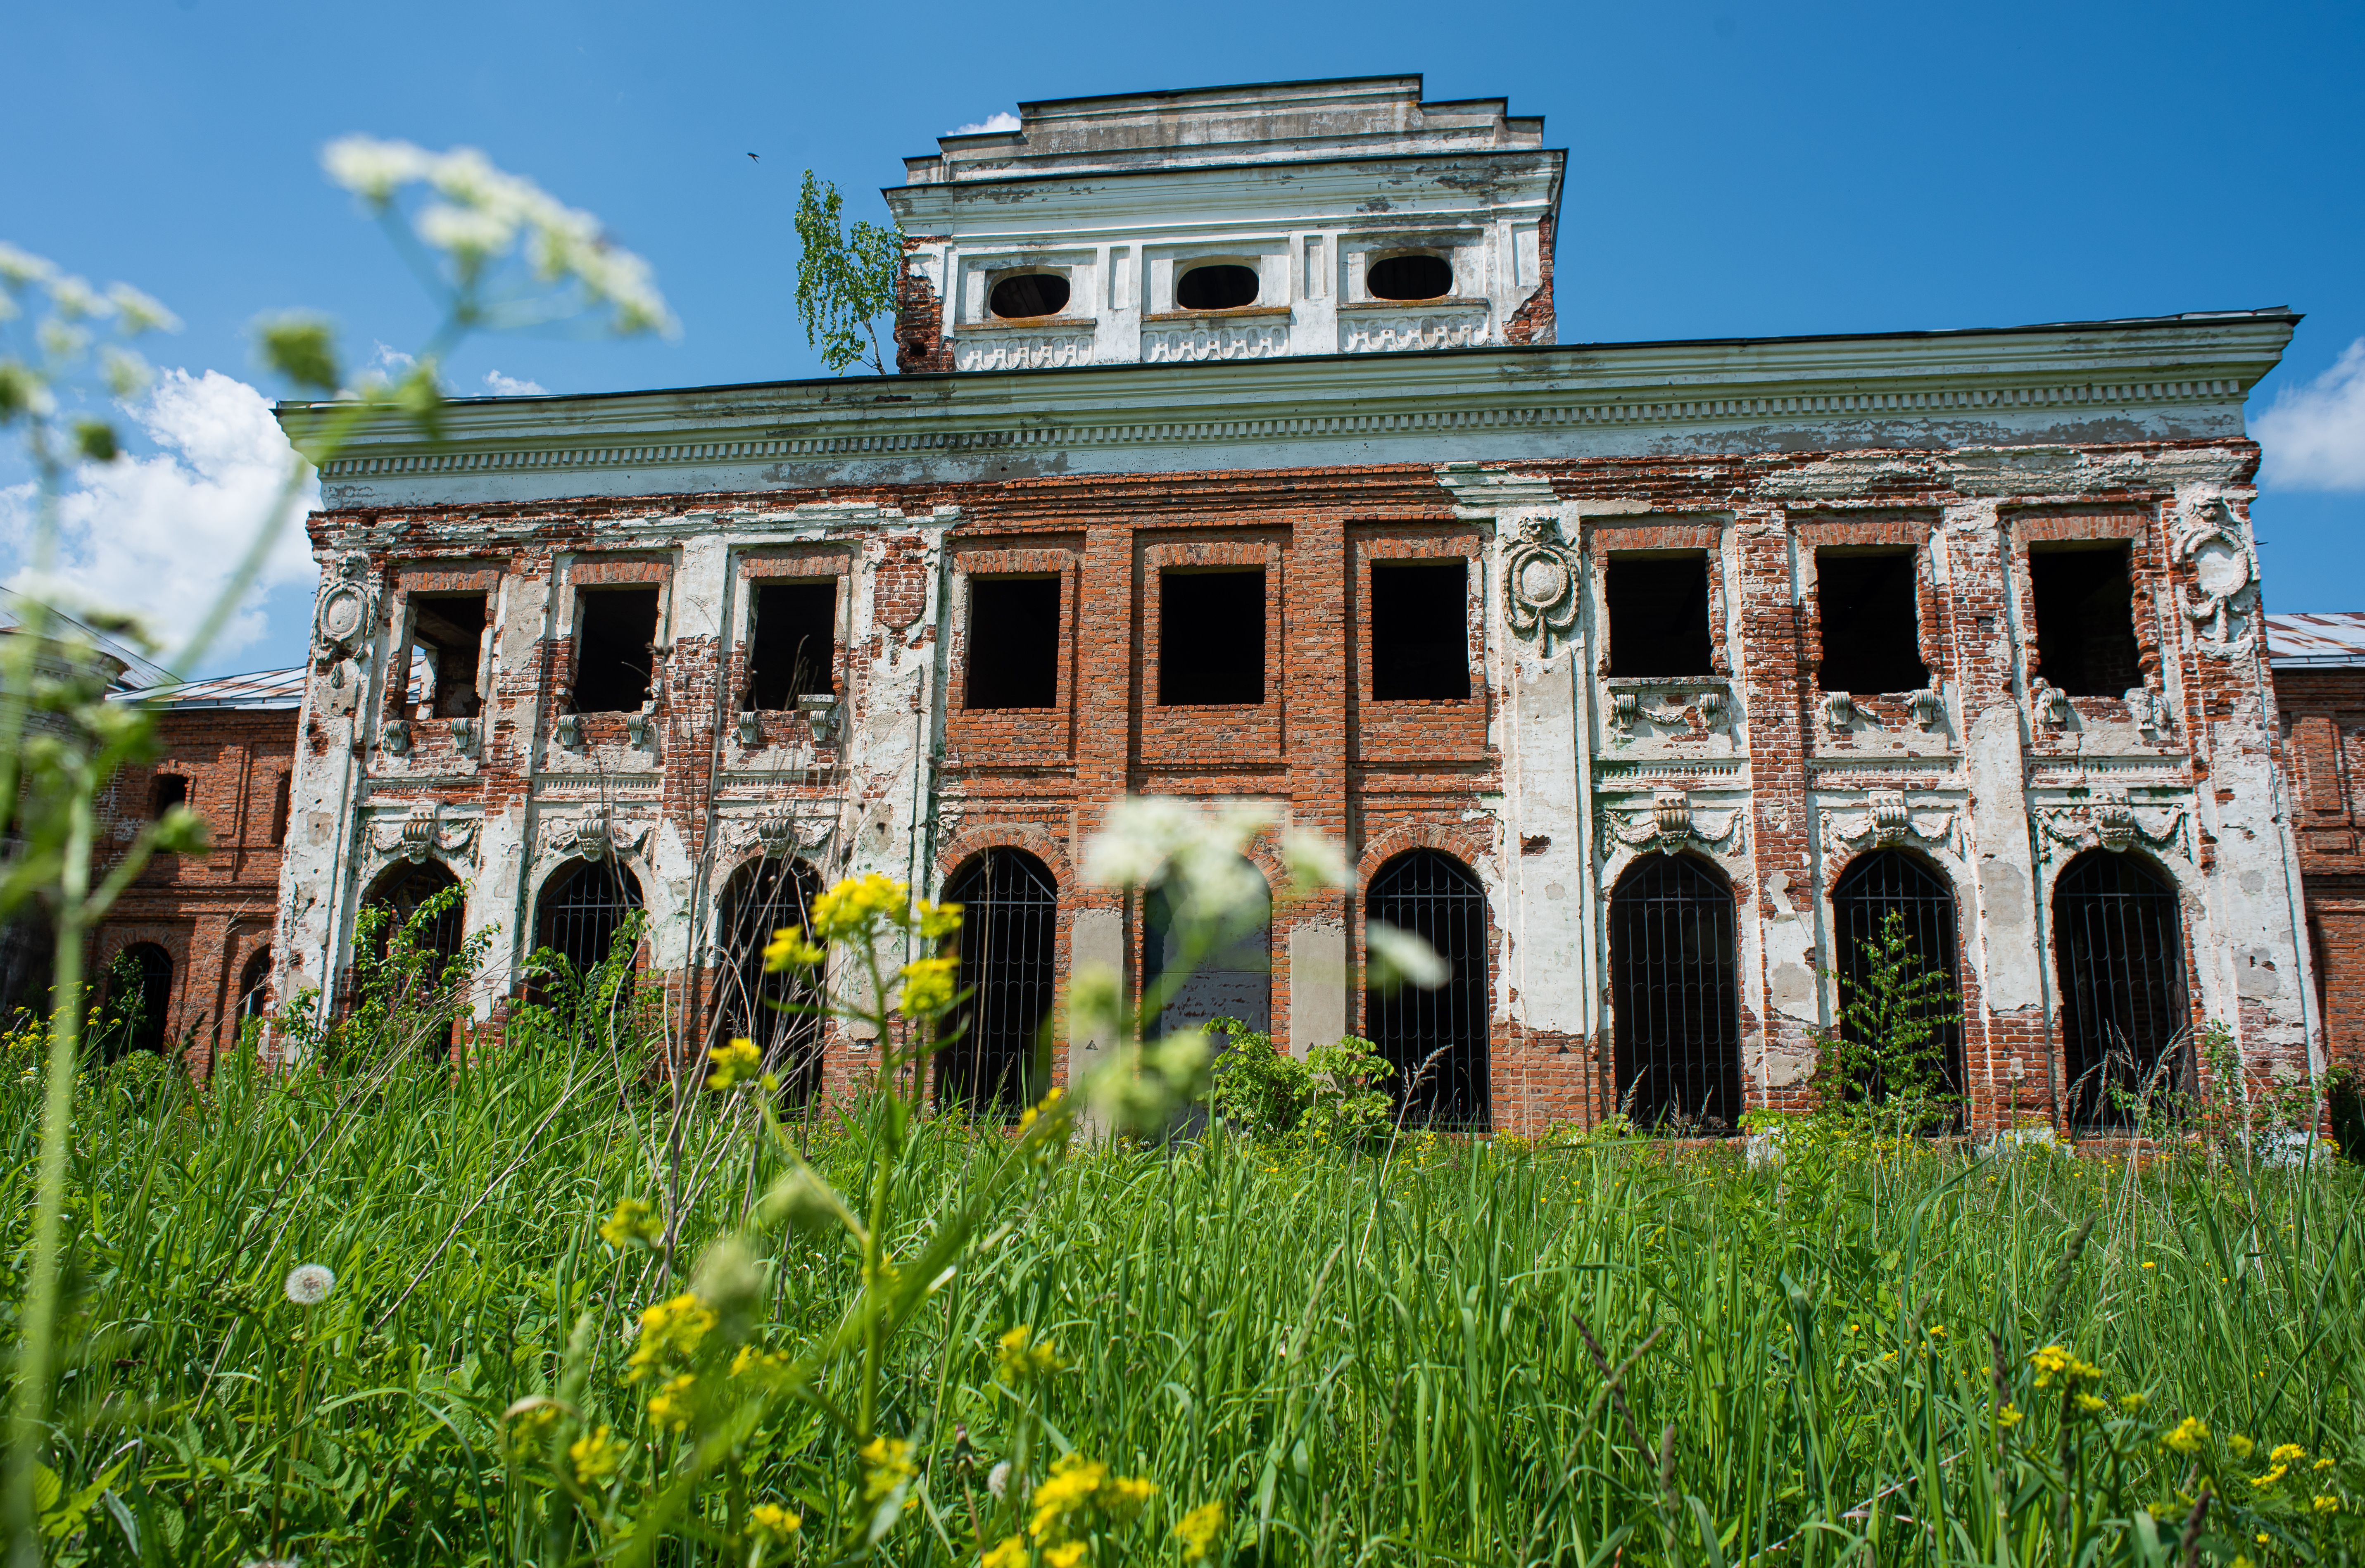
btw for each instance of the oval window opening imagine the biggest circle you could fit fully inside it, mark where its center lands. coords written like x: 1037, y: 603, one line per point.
x: 1411, y: 277
x: 1030, y: 293
x: 1216, y: 288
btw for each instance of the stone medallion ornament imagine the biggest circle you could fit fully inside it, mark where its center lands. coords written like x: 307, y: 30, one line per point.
x: 345, y: 606
x: 2208, y: 536
x: 1540, y: 580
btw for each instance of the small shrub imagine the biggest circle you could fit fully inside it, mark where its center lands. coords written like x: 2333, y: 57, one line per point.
x: 1331, y: 1099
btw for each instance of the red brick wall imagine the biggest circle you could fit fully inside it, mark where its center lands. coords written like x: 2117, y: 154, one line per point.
x: 2323, y: 714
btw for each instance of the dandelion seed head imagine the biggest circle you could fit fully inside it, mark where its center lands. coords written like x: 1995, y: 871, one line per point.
x: 997, y: 1480
x: 309, y: 1284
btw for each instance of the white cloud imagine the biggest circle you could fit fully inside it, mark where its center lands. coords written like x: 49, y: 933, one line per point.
x: 389, y: 363
x: 510, y: 386
x: 159, y: 536
x: 2315, y: 436
x: 1002, y: 120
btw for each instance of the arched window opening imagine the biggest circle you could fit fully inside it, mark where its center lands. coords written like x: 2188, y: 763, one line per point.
x: 1411, y: 277
x: 1437, y: 1039
x: 2118, y: 947
x: 1027, y: 295
x: 1234, y: 981
x: 140, y: 998
x: 582, y: 908
x: 254, y: 987
x: 1675, y: 996
x: 401, y: 892
x: 1008, y: 951
x: 768, y: 1008
x: 1876, y: 887
x: 1224, y: 285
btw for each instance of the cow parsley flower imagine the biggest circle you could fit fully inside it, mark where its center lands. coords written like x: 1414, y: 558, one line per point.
x: 309, y: 1284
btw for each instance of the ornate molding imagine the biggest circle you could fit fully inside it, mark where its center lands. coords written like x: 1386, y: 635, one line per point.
x: 422, y: 832
x: 1668, y: 823
x: 594, y: 835
x: 782, y: 831
x: 348, y: 604
x: 1200, y: 341
x: 1539, y: 583
x: 1038, y: 349
x: 2051, y: 703
x: 1928, y: 706
x: 1629, y: 700
x: 2108, y: 821
x: 2223, y: 568
x: 1889, y: 817
x: 1379, y: 330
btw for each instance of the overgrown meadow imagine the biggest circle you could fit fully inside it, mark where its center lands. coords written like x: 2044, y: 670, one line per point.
x: 1423, y: 1351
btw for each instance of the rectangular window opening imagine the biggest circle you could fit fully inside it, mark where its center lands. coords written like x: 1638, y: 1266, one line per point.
x: 1658, y: 616
x: 1420, y: 631
x: 2085, y: 618
x: 170, y: 789
x: 447, y: 635
x: 1210, y: 637
x: 794, y: 651
x: 279, y: 810
x: 615, y: 634
x: 1871, y: 617
x: 1013, y: 641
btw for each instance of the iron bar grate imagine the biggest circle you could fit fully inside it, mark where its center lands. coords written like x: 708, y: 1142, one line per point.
x: 1675, y: 1002
x: 1436, y: 1039
x: 1008, y: 949
x: 2118, y: 943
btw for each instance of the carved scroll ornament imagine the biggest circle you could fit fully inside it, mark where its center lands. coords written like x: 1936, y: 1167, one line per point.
x: 2222, y: 569
x: 2110, y: 822
x: 346, y: 608
x: 1539, y: 583
x: 1889, y: 818
x: 594, y: 835
x: 423, y: 832
x: 1669, y: 824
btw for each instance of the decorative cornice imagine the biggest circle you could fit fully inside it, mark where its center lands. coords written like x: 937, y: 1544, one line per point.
x: 420, y: 833
x: 1890, y: 817
x: 1669, y: 824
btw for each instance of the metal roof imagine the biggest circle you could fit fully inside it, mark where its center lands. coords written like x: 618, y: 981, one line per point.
x: 2326, y: 639
x: 263, y: 690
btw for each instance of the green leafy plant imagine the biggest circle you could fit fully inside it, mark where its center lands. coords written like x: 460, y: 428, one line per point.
x: 1330, y: 1099
x: 1886, y: 1060
x: 845, y: 279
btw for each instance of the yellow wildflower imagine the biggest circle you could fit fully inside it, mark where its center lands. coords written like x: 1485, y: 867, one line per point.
x: 734, y: 1063
x: 928, y: 987
x: 2008, y: 1417
x: 789, y: 949
x: 2091, y: 1405
x: 886, y: 1465
x: 2056, y: 1360
x: 2150, y: 1265
x: 758, y: 1363
x: 1067, y: 1491
x: 2241, y: 1445
x: 2327, y: 1504
x: 2263, y: 1538
x: 1010, y: 1553
x: 2242, y: 1559
x: 2131, y: 1403
x: 2324, y: 1464
x: 1027, y: 1117
x: 770, y: 1523
x: 635, y: 1224
x: 674, y: 1327
x: 1065, y: 1556
x: 938, y: 920
x: 2270, y: 1477
x: 1128, y: 1495
x: 1023, y: 1357
x: 1200, y: 1530
x: 2188, y: 1435
x: 596, y: 1457
x: 2283, y: 1453
x: 856, y: 905
x: 669, y: 1406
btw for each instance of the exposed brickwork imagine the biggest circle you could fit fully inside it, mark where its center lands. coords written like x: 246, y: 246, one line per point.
x: 920, y: 340
x: 1534, y: 321
x: 2323, y: 713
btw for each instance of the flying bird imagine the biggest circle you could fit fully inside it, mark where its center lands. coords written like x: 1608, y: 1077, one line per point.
x: 753, y: 159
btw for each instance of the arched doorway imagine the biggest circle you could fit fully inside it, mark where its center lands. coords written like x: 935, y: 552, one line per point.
x: 2118, y: 949
x: 1675, y: 996
x: 1885, y: 883
x: 401, y: 892
x: 254, y: 988
x: 1233, y: 982
x: 1008, y: 948
x: 140, y: 998
x: 751, y: 1003
x: 1438, y: 1039
x: 582, y: 907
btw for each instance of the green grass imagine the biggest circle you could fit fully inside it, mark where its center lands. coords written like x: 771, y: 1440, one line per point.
x: 1364, y: 1358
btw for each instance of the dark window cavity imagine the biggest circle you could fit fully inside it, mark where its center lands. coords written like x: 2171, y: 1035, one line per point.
x: 1234, y: 981
x: 139, y: 1000
x: 2085, y: 619
x: 1411, y: 277
x: 403, y: 893
x: 279, y: 792
x: 170, y: 789
x: 2118, y: 948
x: 615, y: 632
x: 1436, y: 1039
x: 1886, y: 883
x: 767, y: 1007
x: 1421, y: 638
x: 1014, y: 643
x: 254, y: 987
x: 1210, y: 637
x: 1221, y: 287
x: 1008, y: 957
x: 1871, y: 620
x: 447, y: 633
x: 1029, y: 293
x: 584, y: 908
x: 1658, y: 616
x: 1675, y: 996
x: 794, y: 651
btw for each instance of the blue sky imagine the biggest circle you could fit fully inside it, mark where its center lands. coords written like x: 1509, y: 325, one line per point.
x: 1735, y: 168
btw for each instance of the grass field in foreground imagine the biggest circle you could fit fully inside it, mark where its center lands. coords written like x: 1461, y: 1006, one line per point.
x: 1390, y: 1357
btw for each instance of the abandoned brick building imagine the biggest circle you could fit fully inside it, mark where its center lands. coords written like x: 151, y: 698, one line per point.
x: 1235, y: 458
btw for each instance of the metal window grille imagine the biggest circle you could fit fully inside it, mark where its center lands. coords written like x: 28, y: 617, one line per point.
x: 582, y: 908
x: 767, y: 1008
x: 145, y: 1003
x: 1436, y: 1039
x: 1234, y: 982
x: 2118, y: 944
x: 1008, y: 951
x: 402, y: 893
x: 1674, y: 996
x: 1873, y: 886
